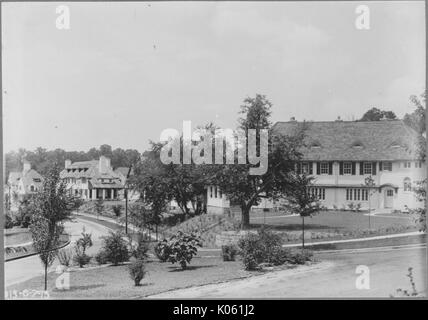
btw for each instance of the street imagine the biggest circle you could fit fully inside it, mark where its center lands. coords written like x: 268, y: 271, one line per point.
x: 20, y: 270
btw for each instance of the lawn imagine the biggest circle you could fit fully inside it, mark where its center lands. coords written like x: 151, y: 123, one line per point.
x: 114, y: 282
x: 17, y: 236
x: 333, y: 224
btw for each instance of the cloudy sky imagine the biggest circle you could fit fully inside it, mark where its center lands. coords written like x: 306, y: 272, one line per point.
x: 124, y: 72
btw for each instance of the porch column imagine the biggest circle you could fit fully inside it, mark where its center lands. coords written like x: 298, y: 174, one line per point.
x: 112, y: 193
x: 94, y: 194
x: 104, y: 194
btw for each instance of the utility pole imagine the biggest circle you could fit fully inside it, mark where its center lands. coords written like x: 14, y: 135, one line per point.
x: 126, y: 199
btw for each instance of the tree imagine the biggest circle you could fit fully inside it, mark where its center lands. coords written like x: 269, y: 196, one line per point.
x: 303, y: 201
x: 99, y: 207
x: 247, y: 190
x: 416, y: 119
x: 369, y: 183
x: 52, y: 205
x: 375, y: 114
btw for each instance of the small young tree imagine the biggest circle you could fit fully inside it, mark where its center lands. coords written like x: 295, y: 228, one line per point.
x: 99, y: 207
x: 83, y: 243
x: 371, y: 189
x: 51, y: 206
x: 115, y: 248
x: 303, y: 201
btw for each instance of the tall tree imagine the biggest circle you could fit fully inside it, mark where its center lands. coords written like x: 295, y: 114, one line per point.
x: 417, y: 119
x: 247, y: 190
x: 52, y: 205
x: 375, y: 114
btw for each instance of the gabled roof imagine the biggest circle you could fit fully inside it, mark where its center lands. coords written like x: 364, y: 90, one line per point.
x: 123, y: 171
x: 28, y: 178
x: 87, y: 169
x: 354, y: 140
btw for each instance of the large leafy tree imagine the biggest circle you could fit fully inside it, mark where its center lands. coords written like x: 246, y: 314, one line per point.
x: 235, y: 180
x: 375, y: 114
x: 51, y: 206
x: 417, y: 119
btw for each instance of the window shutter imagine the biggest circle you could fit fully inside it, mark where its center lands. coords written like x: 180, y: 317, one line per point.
x: 310, y: 168
x: 318, y: 168
x: 330, y: 168
x: 341, y: 168
x: 361, y: 168
x: 380, y: 166
x: 353, y: 168
x: 374, y: 168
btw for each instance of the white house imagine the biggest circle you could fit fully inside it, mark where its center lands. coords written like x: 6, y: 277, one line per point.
x: 340, y: 155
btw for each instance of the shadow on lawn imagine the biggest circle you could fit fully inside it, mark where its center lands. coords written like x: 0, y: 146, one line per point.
x: 179, y: 269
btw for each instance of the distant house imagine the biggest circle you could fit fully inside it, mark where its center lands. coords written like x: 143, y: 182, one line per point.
x: 25, y: 182
x: 93, y: 179
x: 340, y: 155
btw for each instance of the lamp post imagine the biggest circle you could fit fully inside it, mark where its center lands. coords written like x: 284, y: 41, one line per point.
x: 370, y: 184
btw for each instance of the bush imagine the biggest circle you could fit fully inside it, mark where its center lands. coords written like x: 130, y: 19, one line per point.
x: 258, y: 248
x: 115, y: 248
x: 358, y: 207
x: 301, y: 257
x: 351, y: 206
x: 81, y: 258
x: 162, y: 250
x: 137, y: 271
x: 101, y: 257
x: 117, y: 210
x: 229, y: 252
x: 183, y: 246
x: 139, y: 251
x: 8, y: 223
x: 65, y: 256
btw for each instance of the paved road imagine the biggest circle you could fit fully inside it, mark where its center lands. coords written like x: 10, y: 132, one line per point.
x: 334, y: 276
x: 20, y: 270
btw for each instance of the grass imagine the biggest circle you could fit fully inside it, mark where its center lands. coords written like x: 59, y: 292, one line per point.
x: 114, y: 282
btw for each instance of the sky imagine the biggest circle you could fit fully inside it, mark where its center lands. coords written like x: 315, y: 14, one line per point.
x: 124, y: 72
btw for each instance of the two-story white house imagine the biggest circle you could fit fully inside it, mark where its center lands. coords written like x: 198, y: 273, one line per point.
x: 93, y: 179
x: 340, y: 155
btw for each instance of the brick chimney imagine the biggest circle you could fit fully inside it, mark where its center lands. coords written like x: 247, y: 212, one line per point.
x: 67, y: 163
x: 104, y: 164
x: 292, y: 119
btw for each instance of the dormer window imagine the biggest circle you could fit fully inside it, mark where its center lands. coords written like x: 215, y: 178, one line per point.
x: 315, y: 145
x: 357, y: 145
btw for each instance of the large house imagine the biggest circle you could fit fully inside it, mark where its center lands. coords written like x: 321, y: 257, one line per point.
x: 25, y: 182
x: 340, y: 155
x: 93, y: 179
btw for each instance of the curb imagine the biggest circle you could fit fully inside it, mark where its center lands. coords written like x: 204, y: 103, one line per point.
x: 36, y: 253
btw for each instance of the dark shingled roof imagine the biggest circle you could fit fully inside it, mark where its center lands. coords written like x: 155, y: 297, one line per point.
x: 354, y: 140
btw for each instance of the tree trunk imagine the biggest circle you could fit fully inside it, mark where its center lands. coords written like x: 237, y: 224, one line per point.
x: 46, y: 276
x: 303, y: 233
x: 245, y: 223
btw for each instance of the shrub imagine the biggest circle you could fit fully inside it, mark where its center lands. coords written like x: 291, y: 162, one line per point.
x: 183, y: 246
x: 351, y: 206
x: 117, y: 210
x: 137, y: 271
x: 280, y: 256
x: 358, y: 207
x: 8, y: 223
x: 115, y: 248
x: 229, y: 252
x: 65, y: 256
x: 101, y: 257
x: 85, y: 241
x: 81, y: 258
x: 162, y: 250
x: 301, y: 257
x: 251, y: 251
x: 140, y: 249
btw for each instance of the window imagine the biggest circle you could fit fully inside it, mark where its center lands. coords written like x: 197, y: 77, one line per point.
x: 305, y: 168
x: 418, y: 164
x: 407, y: 185
x: 324, y: 167
x: 407, y: 165
x: 83, y: 180
x: 357, y: 194
x: 389, y: 193
x: 32, y: 188
x: 211, y: 192
x: 347, y: 168
x: 220, y: 193
x: 367, y: 168
x: 318, y: 193
x: 387, y: 166
x: 215, y: 192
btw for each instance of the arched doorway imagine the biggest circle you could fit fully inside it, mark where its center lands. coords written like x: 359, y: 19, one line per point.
x: 388, y: 198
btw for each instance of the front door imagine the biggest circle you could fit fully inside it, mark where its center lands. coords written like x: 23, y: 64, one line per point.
x: 389, y: 198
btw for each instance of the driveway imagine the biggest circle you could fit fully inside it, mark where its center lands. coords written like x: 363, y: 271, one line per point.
x: 20, y: 270
x: 334, y: 276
